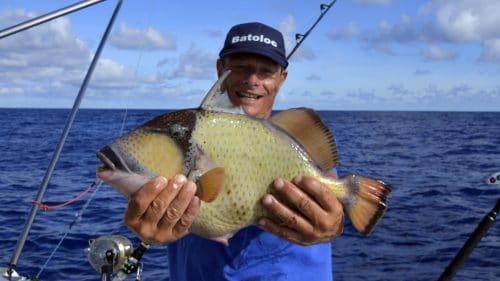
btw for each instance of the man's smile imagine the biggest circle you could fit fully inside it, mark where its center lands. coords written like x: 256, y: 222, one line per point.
x: 247, y: 95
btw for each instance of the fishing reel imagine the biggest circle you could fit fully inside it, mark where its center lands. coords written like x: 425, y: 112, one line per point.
x: 494, y: 179
x: 115, y: 254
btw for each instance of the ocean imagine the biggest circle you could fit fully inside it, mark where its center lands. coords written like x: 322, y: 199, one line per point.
x: 436, y: 162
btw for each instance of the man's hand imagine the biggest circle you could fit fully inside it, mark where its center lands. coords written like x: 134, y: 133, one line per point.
x: 162, y: 210
x: 305, y: 212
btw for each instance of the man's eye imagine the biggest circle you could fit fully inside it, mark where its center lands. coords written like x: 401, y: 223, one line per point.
x: 239, y: 68
x: 268, y: 72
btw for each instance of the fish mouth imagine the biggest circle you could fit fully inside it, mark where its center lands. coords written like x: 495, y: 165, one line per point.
x: 111, y: 160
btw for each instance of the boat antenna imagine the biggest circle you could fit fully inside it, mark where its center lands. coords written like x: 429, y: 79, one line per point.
x: 299, y: 38
x: 48, y: 173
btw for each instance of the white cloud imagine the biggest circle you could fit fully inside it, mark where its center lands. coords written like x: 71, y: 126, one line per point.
x: 471, y: 21
x: 33, y: 59
x: 195, y: 63
x: 288, y: 29
x: 41, y: 45
x: 49, y: 63
x: 402, y: 32
x: 56, y: 33
x: 439, y: 21
x: 112, y: 75
x: 466, y: 20
x: 434, y: 53
x: 136, y: 39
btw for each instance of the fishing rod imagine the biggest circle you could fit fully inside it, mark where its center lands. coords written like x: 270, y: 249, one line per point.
x: 301, y: 37
x: 474, y: 238
x: 43, y: 187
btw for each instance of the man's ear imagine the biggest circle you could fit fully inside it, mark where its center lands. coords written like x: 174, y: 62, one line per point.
x: 220, y: 67
x: 283, y: 74
x: 220, y: 71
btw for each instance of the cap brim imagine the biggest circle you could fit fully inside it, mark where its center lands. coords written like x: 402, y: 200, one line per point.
x: 268, y: 54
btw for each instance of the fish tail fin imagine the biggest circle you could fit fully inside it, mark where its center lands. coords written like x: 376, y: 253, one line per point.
x: 365, y: 202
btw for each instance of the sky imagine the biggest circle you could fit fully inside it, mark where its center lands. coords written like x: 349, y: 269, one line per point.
x: 425, y: 55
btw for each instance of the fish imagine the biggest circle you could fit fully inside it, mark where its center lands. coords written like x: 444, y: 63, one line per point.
x: 234, y: 158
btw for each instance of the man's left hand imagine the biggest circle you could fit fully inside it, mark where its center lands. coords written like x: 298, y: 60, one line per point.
x: 305, y: 212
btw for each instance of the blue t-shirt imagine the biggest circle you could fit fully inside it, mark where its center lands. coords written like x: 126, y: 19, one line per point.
x: 252, y: 254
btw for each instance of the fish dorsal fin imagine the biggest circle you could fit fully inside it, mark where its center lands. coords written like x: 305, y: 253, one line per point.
x: 218, y: 100
x: 210, y: 184
x: 306, y: 127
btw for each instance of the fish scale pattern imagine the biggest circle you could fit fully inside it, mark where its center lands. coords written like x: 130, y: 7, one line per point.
x: 252, y: 156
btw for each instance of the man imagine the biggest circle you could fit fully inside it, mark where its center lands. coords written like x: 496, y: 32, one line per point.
x: 304, y: 211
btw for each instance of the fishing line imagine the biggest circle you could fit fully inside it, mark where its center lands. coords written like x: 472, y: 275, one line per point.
x: 136, y: 71
x: 46, y: 207
x: 127, y: 105
x: 97, y: 183
x: 125, y: 114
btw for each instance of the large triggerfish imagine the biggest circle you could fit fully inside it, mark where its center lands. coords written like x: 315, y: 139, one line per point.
x: 234, y: 159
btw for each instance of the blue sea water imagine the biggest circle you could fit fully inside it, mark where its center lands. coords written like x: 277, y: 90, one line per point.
x: 436, y: 162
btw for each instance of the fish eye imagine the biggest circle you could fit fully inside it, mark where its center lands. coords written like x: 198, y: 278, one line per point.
x: 177, y: 131
x: 493, y: 180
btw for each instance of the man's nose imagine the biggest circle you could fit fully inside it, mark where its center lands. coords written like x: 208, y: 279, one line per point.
x: 253, y: 77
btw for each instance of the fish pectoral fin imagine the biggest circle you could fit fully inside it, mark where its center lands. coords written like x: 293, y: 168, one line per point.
x: 210, y: 184
x: 306, y: 127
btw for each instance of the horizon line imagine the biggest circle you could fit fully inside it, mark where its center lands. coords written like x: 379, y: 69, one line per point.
x: 277, y: 109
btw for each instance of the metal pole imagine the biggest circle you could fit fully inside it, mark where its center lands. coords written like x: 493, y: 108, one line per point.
x: 301, y: 37
x: 47, y: 17
x: 55, y: 157
x: 470, y: 244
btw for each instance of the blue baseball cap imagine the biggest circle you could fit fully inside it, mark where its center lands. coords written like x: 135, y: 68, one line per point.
x: 255, y: 38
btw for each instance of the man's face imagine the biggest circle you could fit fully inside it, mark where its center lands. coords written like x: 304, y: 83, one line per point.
x: 253, y: 83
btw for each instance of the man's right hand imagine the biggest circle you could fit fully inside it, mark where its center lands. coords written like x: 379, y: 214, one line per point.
x: 162, y: 210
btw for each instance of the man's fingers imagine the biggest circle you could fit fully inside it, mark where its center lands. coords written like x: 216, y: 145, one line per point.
x: 285, y: 216
x: 178, y: 205
x: 162, y: 202
x: 318, y: 191
x: 140, y: 201
x: 297, y: 212
x: 300, y: 201
x: 187, y: 218
x: 330, y: 216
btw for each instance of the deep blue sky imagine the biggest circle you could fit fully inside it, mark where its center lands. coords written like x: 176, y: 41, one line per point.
x: 364, y: 55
